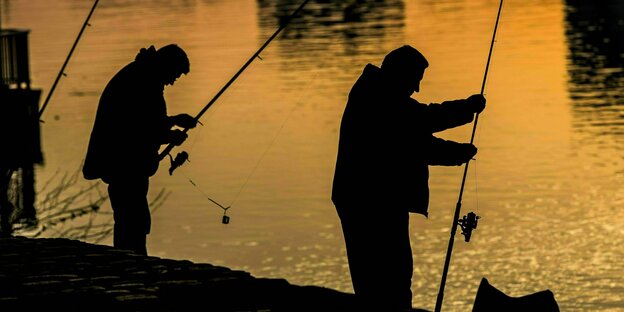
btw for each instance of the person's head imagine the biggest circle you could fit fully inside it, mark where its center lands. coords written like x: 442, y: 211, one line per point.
x: 173, y: 62
x: 405, y: 68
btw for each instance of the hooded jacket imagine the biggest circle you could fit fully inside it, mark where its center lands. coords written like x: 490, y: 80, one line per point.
x: 131, y: 123
x: 386, y: 145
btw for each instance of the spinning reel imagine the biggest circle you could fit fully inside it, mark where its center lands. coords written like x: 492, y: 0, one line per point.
x: 179, y: 160
x: 468, y: 223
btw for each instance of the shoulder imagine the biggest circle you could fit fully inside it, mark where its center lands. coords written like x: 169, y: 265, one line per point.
x: 368, y: 81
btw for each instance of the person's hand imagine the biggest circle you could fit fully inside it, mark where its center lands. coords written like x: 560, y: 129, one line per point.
x: 176, y: 137
x: 477, y: 102
x: 185, y: 121
x: 469, y: 151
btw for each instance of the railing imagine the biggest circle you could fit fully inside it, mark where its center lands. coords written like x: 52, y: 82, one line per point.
x: 14, y: 69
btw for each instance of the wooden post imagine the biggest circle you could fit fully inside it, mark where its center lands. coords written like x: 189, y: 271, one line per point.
x: 19, y: 129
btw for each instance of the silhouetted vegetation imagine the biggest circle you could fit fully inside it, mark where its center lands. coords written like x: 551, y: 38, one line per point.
x: 69, y: 208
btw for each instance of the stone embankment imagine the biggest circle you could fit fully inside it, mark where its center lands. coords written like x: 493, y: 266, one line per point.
x: 69, y: 275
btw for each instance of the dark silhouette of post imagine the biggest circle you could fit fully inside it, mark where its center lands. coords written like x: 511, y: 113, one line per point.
x: 19, y: 130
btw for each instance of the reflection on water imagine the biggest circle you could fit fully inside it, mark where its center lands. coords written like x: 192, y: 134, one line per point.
x: 336, y: 36
x: 595, y: 32
x: 335, y: 20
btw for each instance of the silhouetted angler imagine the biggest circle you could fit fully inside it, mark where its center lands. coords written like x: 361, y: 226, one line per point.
x: 386, y: 145
x: 130, y: 126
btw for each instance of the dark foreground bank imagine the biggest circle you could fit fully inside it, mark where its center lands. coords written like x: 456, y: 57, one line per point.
x: 69, y: 275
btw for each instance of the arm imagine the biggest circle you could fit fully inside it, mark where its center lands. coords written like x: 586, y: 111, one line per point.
x: 185, y: 121
x: 177, y: 136
x: 450, y: 114
x: 441, y: 152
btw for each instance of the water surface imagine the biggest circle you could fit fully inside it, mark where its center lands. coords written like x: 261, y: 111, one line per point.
x: 548, y: 177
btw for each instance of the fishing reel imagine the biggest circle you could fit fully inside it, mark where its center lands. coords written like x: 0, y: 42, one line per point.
x: 468, y: 223
x: 179, y: 160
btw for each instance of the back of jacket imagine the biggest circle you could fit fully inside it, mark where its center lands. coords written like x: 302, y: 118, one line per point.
x: 130, y: 125
x: 386, y: 144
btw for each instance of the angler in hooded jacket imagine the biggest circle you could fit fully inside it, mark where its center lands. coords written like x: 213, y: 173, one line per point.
x: 386, y: 145
x: 130, y: 126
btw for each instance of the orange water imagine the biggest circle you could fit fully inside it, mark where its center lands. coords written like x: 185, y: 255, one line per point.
x: 547, y: 180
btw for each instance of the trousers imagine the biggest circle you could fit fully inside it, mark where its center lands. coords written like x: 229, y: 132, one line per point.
x: 128, y: 197
x: 379, y: 255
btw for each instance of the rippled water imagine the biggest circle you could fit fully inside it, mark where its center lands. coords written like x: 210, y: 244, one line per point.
x: 547, y: 182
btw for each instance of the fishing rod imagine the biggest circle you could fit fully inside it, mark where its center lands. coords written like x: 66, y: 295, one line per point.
x: 469, y: 221
x: 183, y: 156
x: 71, y: 51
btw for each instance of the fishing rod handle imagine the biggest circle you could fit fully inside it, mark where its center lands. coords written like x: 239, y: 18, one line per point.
x: 169, y: 147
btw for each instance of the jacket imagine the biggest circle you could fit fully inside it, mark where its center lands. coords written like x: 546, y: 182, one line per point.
x: 386, y: 144
x: 131, y: 123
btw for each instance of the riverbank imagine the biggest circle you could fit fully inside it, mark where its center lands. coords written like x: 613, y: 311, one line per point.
x: 72, y: 275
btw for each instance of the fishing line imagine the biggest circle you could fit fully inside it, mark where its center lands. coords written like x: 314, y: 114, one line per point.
x: 476, y: 187
x: 477, y: 143
x: 182, y: 157
x: 194, y: 142
x: 275, y: 137
x: 480, y: 126
x: 226, y: 218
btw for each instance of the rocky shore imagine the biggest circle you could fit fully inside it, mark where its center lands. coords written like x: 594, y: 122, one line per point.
x: 69, y: 275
